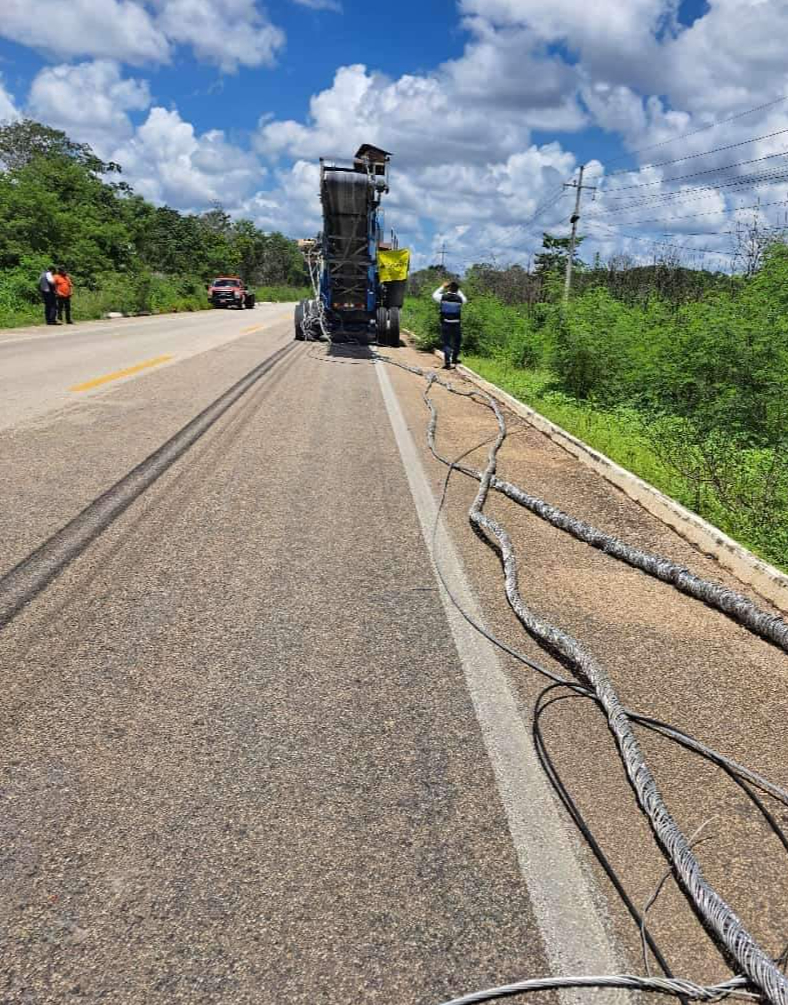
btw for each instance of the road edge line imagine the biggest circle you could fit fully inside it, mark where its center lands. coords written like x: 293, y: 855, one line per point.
x: 574, y: 935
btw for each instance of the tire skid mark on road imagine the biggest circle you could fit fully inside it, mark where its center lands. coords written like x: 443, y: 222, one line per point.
x: 33, y: 574
x: 159, y: 511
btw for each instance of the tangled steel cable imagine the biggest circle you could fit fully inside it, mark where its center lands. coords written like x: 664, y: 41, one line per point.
x: 760, y: 971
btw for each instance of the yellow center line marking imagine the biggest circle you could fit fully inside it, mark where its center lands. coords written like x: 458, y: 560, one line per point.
x: 129, y: 370
x: 254, y: 328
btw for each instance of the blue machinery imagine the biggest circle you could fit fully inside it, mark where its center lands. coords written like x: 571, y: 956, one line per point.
x: 350, y: 302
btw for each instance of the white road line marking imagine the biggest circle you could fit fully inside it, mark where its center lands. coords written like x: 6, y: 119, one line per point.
x: 574, y: 936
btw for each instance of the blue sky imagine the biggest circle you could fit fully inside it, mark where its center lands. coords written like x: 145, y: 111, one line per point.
x: 487, y: 105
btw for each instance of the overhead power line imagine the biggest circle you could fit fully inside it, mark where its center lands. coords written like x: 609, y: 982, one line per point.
x: 698, y: 174
x: 702, y: 129
x: 715, y: 212
x: 704, y: 153
x: 663, y: 244
x: 698, y: 192
x: 547, y: 204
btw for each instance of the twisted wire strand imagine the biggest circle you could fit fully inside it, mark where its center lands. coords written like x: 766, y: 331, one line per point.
x: 718, y: 914
x: 315, y: 310
x: 721, y: 918
x: 662, y: 985
x: 762, y: 623
x: 735, y: 605
x: 730, y: 602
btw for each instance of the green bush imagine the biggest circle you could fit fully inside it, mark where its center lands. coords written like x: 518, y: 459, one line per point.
x: 127, y: 293
x: 691, y: 394
x: 282, y: 294
x: 420, y: 316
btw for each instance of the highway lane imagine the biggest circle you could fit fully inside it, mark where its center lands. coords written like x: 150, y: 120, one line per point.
x: 43, y: 368
x: 241, y: 763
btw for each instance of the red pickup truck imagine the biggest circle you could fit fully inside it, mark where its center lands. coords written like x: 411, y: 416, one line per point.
x: 230, y: 291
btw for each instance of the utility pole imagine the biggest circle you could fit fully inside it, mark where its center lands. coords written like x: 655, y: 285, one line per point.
x: 442, y: 253
x: 578, y: 186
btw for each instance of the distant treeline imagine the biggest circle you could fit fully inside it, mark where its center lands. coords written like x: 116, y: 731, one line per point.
x: 62, y: 205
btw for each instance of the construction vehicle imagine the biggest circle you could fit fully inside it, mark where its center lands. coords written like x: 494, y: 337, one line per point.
x: 358, y: 279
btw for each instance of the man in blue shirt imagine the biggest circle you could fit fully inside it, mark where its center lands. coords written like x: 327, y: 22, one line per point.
x: 450, y: 298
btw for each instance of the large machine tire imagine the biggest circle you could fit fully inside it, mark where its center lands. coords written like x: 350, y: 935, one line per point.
x: 382, y: 326
x: 299, y: 321
x: 393, y: 327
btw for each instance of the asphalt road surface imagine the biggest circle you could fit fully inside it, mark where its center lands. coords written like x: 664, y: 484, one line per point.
x: 42, y: 368
x: 250, y: 752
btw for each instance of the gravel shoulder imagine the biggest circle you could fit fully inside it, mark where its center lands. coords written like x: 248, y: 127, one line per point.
x: 668, y: 656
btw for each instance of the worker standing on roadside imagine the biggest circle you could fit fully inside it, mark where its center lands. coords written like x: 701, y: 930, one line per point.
x: 63, y: 288
x: 46, y: 287
x: 450, y: 298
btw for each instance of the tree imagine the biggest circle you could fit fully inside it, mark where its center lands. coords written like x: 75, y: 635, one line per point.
x: 56, y: 204
x: 23, y: 142
x: 217, y: 220
x: 57, y: 207
x: 551, y: 260
x: 430, y: 277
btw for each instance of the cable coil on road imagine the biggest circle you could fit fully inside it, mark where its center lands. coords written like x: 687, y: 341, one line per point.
x: 754, y: 961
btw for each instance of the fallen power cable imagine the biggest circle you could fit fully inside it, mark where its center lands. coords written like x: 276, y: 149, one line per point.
x: 677, y: 988
x: 763, y: 977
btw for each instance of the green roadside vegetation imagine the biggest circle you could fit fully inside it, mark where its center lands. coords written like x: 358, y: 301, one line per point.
x: 282, y: 294
x: 62, y: 205
x: 679, y: 375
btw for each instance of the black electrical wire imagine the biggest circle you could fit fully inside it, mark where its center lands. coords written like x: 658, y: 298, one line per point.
x: 694, y: 132
x: 658, y: 199
x: 714, y: 212
x: 661, y: 244
x: 654, y: 725
x: 548, y: 766
x: 697, y: 174
x: 704, y: 153
x: 547, y: 204
x: 580, y: 690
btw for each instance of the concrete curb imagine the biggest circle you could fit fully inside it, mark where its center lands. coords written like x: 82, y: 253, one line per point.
x: 769, y: 582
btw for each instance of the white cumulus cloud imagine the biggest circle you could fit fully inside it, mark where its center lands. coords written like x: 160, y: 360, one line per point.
x: 8, y: 109
x: 470, y: 163
x: 229, y: 33
x: 111, y: 29
x: 167, y: 161
x: 89, y: 101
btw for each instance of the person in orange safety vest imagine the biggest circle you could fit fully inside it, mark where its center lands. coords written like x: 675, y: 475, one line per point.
x: 63, y: 288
